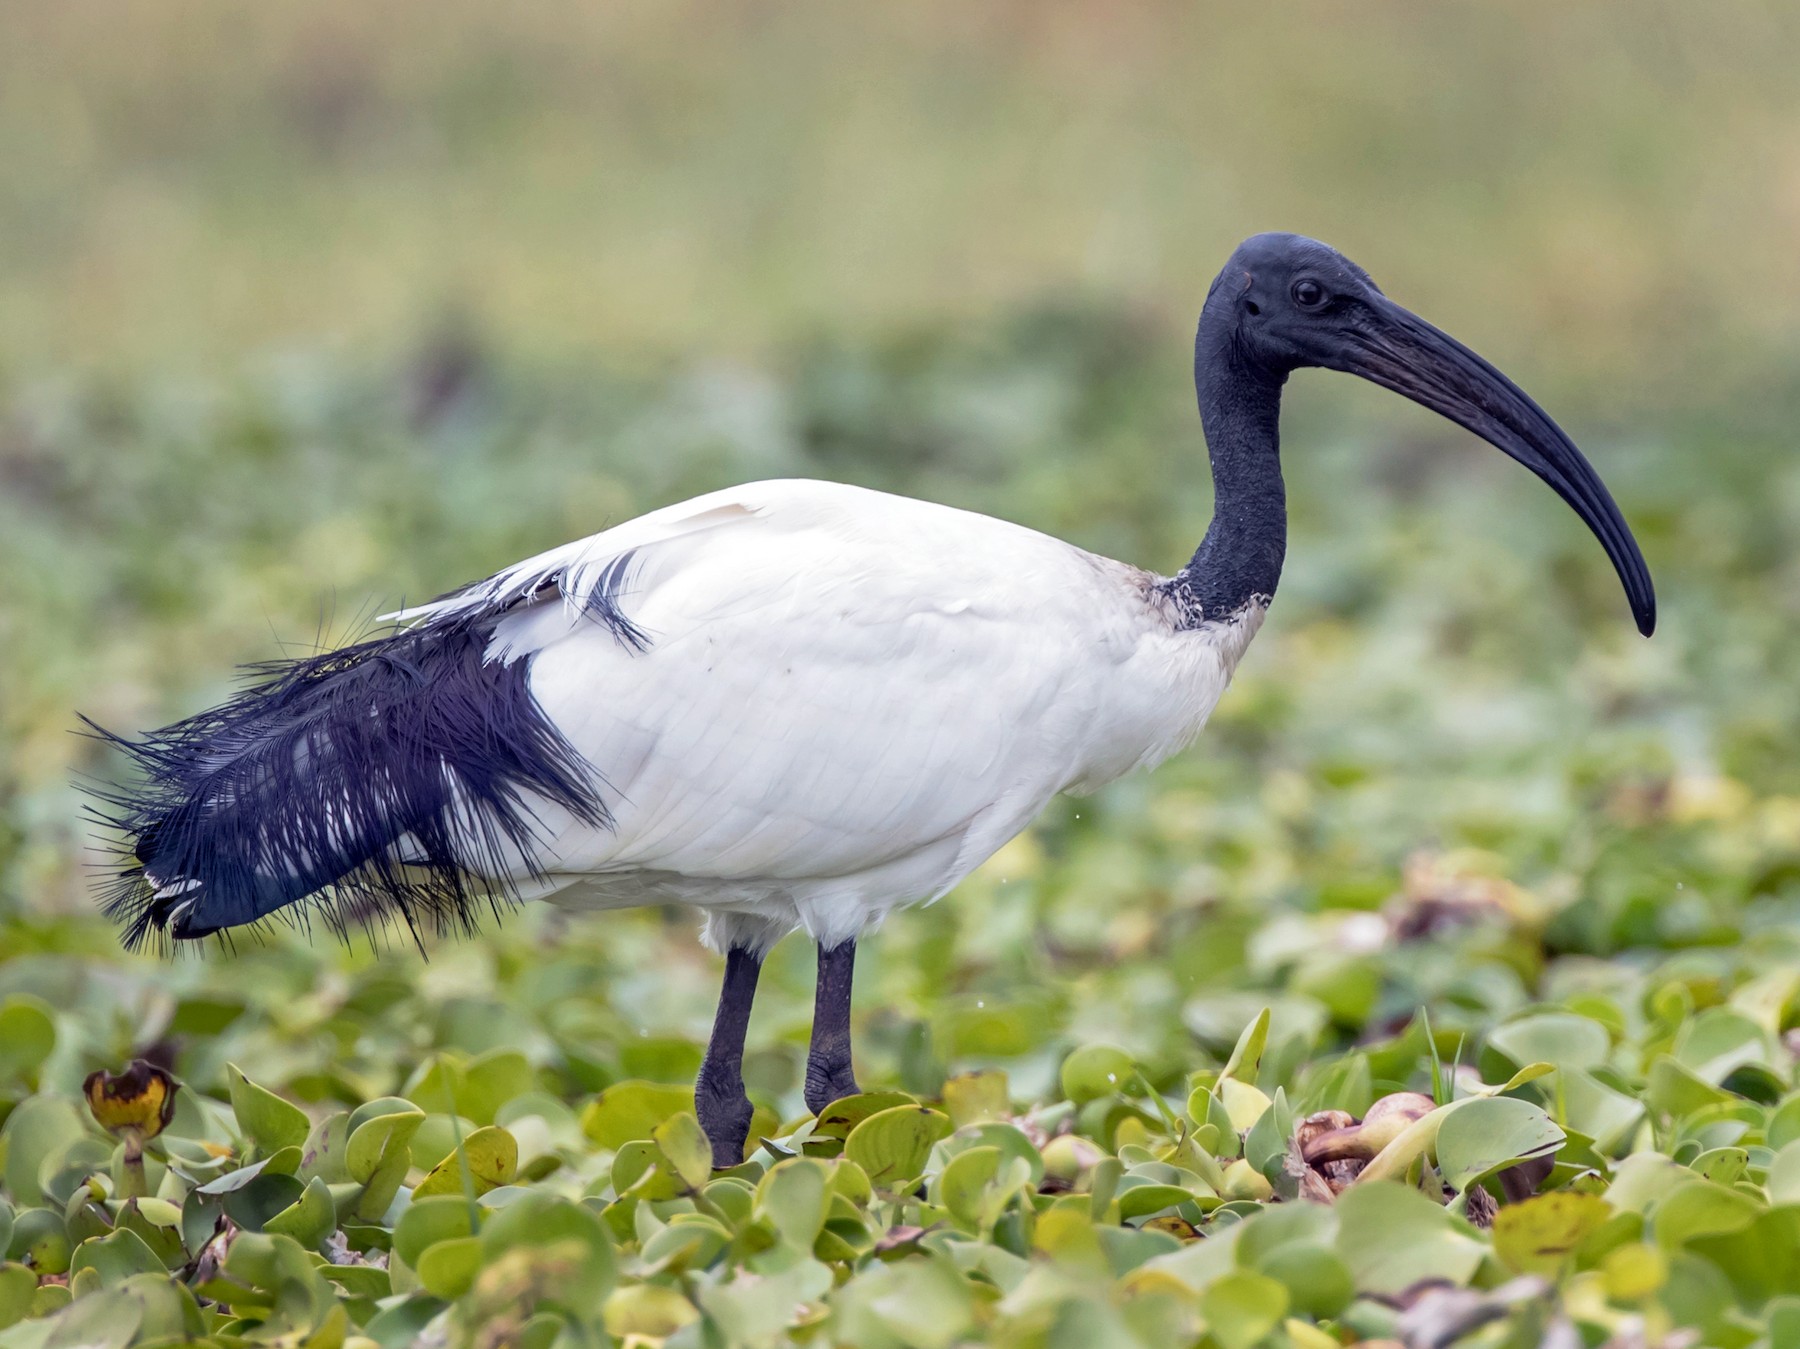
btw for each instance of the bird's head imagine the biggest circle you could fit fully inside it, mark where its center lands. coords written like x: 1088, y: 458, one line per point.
x: 1284, y: 302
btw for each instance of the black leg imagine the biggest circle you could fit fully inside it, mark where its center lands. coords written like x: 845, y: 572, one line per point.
x: 828, y: 1075
x: 719, y: 1098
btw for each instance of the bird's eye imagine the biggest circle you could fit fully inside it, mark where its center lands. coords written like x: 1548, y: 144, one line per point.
x: 1308, y: 294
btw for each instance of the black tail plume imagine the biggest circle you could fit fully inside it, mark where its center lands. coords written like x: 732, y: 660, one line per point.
x: 391, y: 777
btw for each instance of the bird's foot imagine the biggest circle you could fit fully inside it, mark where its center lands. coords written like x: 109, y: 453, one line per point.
x: 724, y: 1113
x: 828, y: 1083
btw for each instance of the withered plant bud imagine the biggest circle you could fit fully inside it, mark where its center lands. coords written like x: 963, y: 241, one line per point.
x: 140, y: 1100
x: 1381, y: 1126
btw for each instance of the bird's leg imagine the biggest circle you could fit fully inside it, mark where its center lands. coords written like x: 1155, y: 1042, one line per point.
x: 719, y: 1098
x: 828, y: 1075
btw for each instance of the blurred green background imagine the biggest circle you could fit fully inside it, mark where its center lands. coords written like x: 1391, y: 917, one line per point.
x: 309, y: 308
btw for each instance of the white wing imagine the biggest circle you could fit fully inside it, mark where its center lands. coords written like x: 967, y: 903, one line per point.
x: 824, y: 701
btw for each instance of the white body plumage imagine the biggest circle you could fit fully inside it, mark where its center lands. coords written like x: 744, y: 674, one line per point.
x: 844, y: 701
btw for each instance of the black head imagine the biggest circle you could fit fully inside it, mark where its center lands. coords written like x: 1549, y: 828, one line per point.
x: 1284, y: 302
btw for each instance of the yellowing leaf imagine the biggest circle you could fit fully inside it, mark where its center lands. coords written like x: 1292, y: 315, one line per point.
x: 493, y: 1160
x: 628, y: 1111
x: 1536, y: 1237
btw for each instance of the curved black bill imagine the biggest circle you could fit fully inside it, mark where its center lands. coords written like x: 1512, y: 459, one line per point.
x: 1400, y: 351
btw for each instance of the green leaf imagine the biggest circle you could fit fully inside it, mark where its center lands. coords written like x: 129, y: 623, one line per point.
x: 447, y: 1269
x: 492, y: 1160
x: 115, y: 1258
x: 1676, y: 1091
x: 428, y: 1221
x: 649, y: 1310
x: 375, y: 1140
x: 309, y: 1219
x: 27, y: 1037
x: 1560, y: 1038
x: 1391, y: 1237
x: 1487, y: 1134
x: 682, y: 1141
x: 1096, y: 1071
x: 540, y: 1222
x: 793, y: 1197
x: 629, y: 1111
x: 963, y: 1185
x: 270, y: 1122
x: 18, y: 1289
x: 892, y: 1146
x: 490, y: 1080
x: 1246, y: 1055
x: 322, y: 1154
x: 253, y: 1205
x: 36, y: 1130
x: 106, y: 1320
x: 1242, y: 1308
x: 1699, y: 1208
x: 973, y: 1098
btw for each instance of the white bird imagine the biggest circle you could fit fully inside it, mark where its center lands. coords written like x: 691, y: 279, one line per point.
x: 788, y: 705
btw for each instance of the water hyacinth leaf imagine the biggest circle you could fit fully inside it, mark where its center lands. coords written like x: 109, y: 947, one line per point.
x: 309, y: 1219
x: 1698, y: 1208
x: 540, y: 1222
x: 18, y: 1290
x: 115, y: 1258
x: 375, y: 1139
x: 1243, y: 1105
x: 1783, y: 1183
x: 38, y: 1127
x: 1246, y: 1055
x: 629, y: 1111
x: 1717, y: 1042
x: 430, y: 1220
x: 1391, y: 1236
x: 1266, y: 1144
x: 648, y: 1310
x: 684, y: 1145
x: 1563, y: 1039
x: 959, y: 1186
x: 268, y: 1121
x: 27, y: 1037
x: 323, y: 1153
x: 839, y: 1118
x: 1008, y: 1138
x: 158, y: 1223
x: 891, y: 1147
x: 793, y: 1197
x: 918, y: 1303
x: 1676, y: 1090
x: 1095, y: 1071
x: 1138, y: 1198
x: 1591, y: 1107
x: 1242, y: 1308
x: 40, y: 1238
x: 447, y: 1269
x: 488, y: 1158
x: 107, y: 1320
x: 1487, y: 1134
x: 490, y: 1080
x: 1538, y: 1235
x: 252, y: 1206
x: 974, y: 1098
x: 757, y: 1307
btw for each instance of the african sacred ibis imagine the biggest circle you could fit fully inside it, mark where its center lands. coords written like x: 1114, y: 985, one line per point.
x: 787, y: 704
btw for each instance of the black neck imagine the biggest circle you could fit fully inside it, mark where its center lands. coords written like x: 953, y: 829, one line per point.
x: 1239, y: 561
